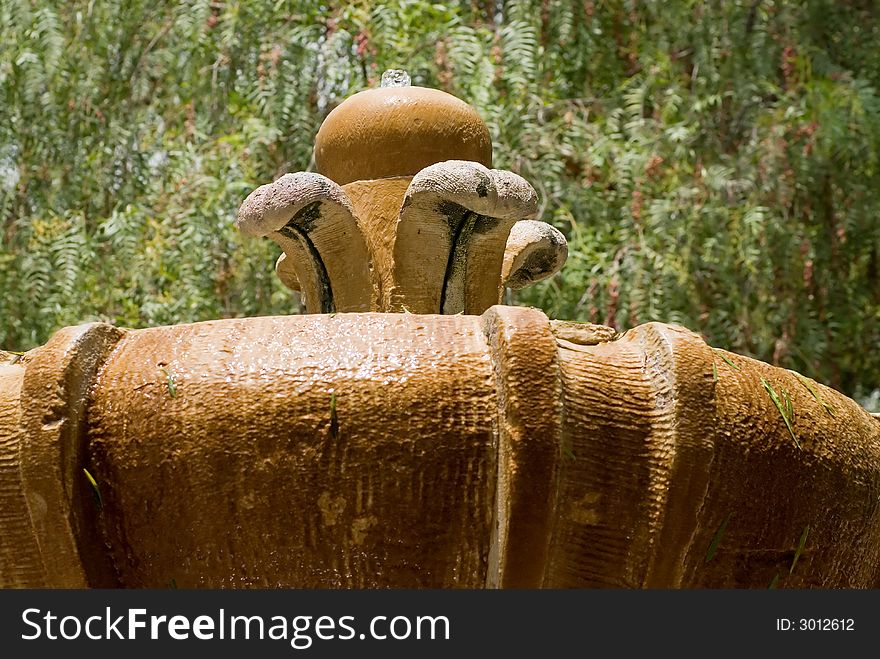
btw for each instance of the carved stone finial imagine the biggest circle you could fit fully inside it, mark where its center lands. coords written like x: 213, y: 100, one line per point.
x: 398, y: 131
x: 405, y: 213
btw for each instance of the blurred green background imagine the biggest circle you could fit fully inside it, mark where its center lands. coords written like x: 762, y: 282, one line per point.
x: 714, y: 164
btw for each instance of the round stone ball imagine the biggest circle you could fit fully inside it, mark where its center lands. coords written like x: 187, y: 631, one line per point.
x: 398, y: 131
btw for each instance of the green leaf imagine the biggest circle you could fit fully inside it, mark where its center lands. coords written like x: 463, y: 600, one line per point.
x: 782, y: 408
x: 727, y: 361
x: 716, y: 540
x: 800, y: 549
x: 97, y: 492
x: 828, y: 408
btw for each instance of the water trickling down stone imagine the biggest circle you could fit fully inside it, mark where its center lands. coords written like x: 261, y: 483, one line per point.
x: 395, y: 78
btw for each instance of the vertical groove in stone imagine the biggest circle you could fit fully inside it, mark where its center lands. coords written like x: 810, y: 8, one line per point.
x: 60, y: 502
x: 529, y: 442
x: 678, y: 365
x: 601, y: 534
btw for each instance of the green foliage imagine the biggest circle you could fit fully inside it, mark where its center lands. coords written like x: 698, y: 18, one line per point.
x: 712, y: 164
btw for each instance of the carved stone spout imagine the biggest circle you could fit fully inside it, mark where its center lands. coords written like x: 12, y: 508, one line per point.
x: 405, y: 212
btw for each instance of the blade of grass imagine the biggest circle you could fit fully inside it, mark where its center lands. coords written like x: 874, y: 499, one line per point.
x: 779, y: 406
x: 774, y: 582
x: 713, y: 546
x: 727, y: 361
x: 98, y: 498
x: 789, y: 408
x: 812, y: 390
x: 800, y: 550
x: 714, y: 372
x: 12, y: 356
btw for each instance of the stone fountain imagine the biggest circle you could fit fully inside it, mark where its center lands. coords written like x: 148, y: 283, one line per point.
x: 411, y: 431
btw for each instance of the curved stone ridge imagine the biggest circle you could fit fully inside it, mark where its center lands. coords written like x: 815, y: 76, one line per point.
x: 49, y: 535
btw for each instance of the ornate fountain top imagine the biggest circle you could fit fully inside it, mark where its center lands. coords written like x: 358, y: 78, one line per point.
x: 404, y: 213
